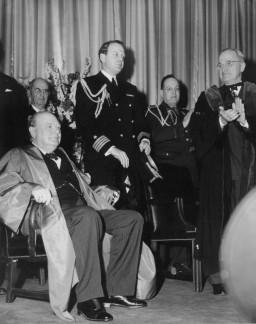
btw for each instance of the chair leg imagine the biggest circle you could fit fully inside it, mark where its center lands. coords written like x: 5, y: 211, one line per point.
x: 197, y: 271
x: 11, y: 279
x: 154, y: 246
x: 42, y: 275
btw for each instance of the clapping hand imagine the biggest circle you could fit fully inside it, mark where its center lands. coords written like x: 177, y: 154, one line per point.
x: 238, y: 106
x: 187, y: 117
x: 228, y: 116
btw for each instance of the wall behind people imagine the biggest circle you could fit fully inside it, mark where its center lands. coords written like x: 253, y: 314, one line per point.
x: 182, y: 37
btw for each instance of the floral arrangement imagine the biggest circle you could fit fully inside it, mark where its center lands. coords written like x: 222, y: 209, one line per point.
x: 64, y: 89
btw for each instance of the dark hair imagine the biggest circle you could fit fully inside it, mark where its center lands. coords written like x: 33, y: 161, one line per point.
x: 169, y: 76
x: 104, y: 47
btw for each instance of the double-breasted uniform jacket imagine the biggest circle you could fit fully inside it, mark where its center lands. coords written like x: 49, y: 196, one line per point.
x: 108, y: 116
x: 22, y: 170
x: 218, y: 151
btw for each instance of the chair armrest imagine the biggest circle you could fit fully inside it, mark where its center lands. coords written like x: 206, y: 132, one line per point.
x: 33, y: 227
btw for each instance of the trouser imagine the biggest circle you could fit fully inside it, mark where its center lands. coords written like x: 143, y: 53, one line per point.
x: 85, y: 228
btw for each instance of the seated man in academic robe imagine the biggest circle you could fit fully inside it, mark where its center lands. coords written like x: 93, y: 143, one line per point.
x: 72, y: 221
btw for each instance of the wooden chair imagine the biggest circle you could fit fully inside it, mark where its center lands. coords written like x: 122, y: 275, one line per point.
x: 29, y: 248
x: 166, y: 221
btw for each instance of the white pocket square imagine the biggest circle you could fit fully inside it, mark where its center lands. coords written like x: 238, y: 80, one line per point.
x: 8, y: 90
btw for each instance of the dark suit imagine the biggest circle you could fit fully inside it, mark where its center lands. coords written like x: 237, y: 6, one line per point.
x: 119, y: 121
x: 13, y: 101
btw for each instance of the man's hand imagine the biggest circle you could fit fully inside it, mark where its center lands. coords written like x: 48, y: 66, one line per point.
x: 120, y: 155
x: 42, y: 195
x: 227, y: 116
x: 239, y: 107
x: 187, y: 117
x: 145, y: 146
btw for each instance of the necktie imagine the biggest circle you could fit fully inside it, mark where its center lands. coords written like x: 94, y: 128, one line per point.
x: 113, y: 82
x: 52, y: 155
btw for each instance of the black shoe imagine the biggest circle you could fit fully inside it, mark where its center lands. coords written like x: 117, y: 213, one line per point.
x: 122, y: 301
x: 2, y: 291
x: 218, y: 289
x: 93, y: 310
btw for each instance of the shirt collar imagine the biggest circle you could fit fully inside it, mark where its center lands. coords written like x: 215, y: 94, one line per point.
x: 107, y: 75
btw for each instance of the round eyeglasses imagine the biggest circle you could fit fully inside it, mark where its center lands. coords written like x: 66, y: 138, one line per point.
x: 220, y: 66
x: 41, y: 91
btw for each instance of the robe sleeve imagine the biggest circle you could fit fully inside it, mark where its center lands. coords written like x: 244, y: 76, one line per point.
x: 15, y: 193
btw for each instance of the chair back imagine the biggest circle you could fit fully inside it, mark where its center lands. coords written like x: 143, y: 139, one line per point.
x: 166, y: 217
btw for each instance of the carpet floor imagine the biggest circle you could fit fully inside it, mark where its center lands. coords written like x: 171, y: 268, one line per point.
x: 174, y: 303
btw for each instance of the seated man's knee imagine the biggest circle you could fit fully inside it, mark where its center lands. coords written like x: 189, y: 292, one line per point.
x: 136, y: 216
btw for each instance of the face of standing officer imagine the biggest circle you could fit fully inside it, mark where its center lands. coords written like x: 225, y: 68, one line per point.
x: 171, y: 92
x: 113, y: 60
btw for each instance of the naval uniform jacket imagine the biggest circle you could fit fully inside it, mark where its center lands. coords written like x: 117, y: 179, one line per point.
x: 118, y: 121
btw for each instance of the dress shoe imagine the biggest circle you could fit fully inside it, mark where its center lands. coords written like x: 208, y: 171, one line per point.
x: 124, y: 301
x: 93, y: 310
x: 2, y: 291
x: 218, y: 289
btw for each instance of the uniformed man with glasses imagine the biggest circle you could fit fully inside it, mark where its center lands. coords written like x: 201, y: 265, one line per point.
x: 223, y: 132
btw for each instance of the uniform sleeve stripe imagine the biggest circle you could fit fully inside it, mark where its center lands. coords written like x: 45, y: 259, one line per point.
x: 100, y: 142
x: 141, y: 135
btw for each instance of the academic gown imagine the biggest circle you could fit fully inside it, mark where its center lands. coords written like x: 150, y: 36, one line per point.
x: 22, y: 170
x: 212, y: 148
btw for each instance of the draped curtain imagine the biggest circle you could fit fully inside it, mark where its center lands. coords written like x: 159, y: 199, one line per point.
x: 183, y: 37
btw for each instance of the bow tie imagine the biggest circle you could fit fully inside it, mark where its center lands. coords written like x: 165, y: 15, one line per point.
x: 234, y: 86
x: 52, y: 155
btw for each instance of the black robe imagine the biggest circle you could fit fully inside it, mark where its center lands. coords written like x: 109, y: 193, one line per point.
x: 226, y: 156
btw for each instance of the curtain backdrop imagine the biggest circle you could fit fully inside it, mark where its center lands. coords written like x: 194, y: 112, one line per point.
x: 183, y: 37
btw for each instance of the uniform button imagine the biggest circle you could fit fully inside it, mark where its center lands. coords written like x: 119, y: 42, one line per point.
x: 95, y: 136
x: 132, y: 121
x: 130, y: 105
x: 167, y: 154
x: 119, y: 119
x: 186, y: 131
x: 116, y: 104
x: 133, y: 136
x: 187, y: 139
x: 121, y: 135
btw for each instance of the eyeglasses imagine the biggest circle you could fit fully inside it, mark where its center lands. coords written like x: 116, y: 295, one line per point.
x: 228, y: 64
x: 41, y: 91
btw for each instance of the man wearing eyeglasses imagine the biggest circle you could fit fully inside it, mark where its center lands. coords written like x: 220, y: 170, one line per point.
x: 223, y: 132
x: 39, y: 94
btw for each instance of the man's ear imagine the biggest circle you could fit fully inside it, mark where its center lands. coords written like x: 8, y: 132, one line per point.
x: 102, y: 57
x: 32, y: 131
x: 162, y: 93
x: 243, y: 65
